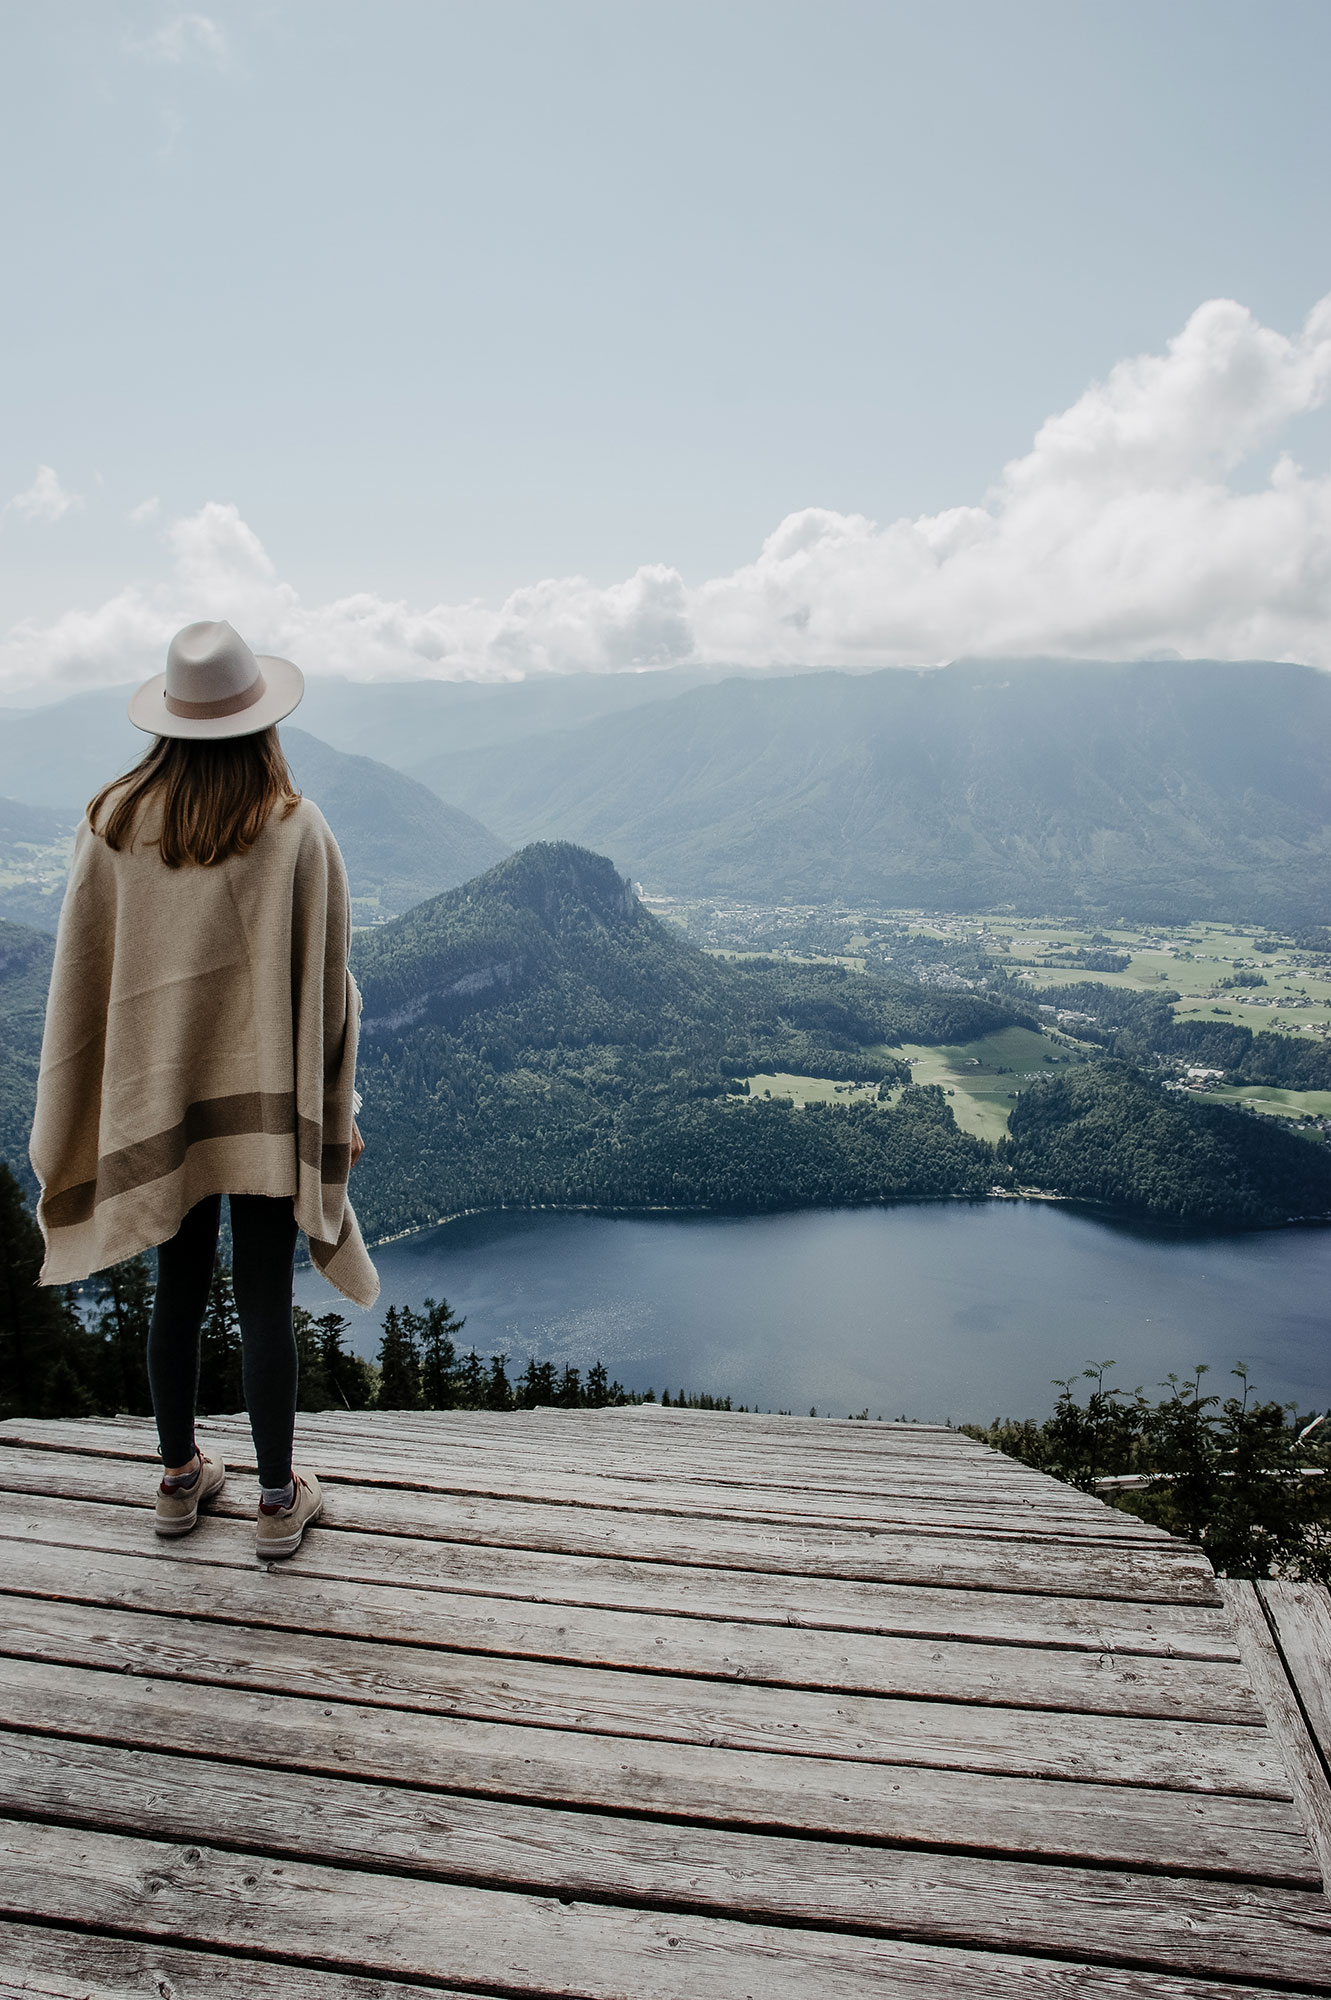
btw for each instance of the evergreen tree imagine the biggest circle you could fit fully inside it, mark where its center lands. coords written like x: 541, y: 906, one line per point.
x: 349, y: 1376
x: 498, y: 1388
x: 49, y: 1362
x: 471, y: 1383
x: 439, y: 1355
x: 124, y: 1297
x: 536, y: 1384
x: 597, y: 1393
x: 221, y: 1384
x: 569, y: 1393
x: 331, y: 1377
x: 315, y: 1391
x: 399, y: 1363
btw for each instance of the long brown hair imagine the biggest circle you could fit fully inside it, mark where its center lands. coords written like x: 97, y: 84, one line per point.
x: 216, y: 795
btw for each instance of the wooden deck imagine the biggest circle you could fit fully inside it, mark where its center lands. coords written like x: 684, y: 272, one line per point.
x: 644, y: 1705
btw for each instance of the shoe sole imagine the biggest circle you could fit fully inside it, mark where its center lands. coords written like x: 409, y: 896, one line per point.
x: 190, y: 1521
x: 289, y: 1543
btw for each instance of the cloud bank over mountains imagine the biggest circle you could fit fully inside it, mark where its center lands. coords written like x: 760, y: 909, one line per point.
x: 1142, y: 521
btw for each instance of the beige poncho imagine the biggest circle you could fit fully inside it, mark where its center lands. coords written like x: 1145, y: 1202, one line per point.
x: 200, y: 1039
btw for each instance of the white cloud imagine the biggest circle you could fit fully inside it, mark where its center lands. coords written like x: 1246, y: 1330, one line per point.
x: 180, y: 38
x: 1123, y: 532
x: 45, y: 500
x: 147, y: 510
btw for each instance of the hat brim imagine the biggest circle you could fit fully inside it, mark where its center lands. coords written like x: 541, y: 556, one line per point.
x: 285, y: 684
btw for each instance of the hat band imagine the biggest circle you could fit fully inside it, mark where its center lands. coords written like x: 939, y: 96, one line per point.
x: 213, y: 711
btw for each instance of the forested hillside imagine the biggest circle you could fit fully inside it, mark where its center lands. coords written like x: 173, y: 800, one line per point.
x: 1141, y: 1025
x: 25, y: 973
x: 537, y: 1036
x: 1107, y: 1133
x: 1160, y: 790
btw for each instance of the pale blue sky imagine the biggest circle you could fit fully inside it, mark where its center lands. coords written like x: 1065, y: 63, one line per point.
x: 447, y: 298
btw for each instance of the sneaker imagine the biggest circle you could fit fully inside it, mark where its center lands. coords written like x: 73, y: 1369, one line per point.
x: 279, y: 1534
x: 178, y: 1511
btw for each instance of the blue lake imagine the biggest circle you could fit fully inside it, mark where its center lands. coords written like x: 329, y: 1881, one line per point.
x: 930, y: 1310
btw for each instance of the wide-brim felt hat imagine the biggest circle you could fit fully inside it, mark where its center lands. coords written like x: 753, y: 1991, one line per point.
x: 214, y: 686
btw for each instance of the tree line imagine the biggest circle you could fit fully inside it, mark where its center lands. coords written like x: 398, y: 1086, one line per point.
x: 57, y: 1360
x: 1248, y: 1481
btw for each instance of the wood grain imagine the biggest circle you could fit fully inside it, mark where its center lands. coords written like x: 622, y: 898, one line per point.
x: 78, y: 1965
x: 460, y: 1935
x: 1285, y: 1719
x: 1120, y: 1825
x: 1299, y: 1614
x: 1183, y: 1631
x: 1176, y: 1923
x: 500, y: 1476
x: 1082, y: 1683
x: 1183, y: 1756
x: 1129, y: 1572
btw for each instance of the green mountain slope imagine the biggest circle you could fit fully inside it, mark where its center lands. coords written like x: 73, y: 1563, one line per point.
x: 1159, y: 790
x: 538, y: 1036
x: 25, y: 973
x: 1106, y: 1133
x: 400, y: 841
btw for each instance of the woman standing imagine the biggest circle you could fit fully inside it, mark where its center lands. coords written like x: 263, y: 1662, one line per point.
x: 201, y: 1041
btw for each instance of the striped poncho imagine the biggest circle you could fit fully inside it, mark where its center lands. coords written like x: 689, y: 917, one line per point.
x: 200, y: 1039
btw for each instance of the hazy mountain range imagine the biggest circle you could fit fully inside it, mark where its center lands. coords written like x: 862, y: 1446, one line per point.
x: 1154, y: 790
x: 401, y: 842
x: 1159, y: 791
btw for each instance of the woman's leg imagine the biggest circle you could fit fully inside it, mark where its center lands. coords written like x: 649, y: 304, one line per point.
x: 184, y: 1276
x: 263, y: 1248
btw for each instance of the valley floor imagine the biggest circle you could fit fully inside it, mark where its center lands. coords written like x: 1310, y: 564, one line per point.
x: 674, y: 1705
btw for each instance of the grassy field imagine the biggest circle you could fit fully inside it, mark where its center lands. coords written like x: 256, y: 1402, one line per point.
x: 982, y: 1078
x: 1202, y: 963
x: 1288, y: 1104
x: 1295, y: 997
x: 811, y: 1089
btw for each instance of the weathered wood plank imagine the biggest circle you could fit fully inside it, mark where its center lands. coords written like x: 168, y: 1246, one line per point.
x: 79, y: 1965
x: 1082, y: 1683
x: 1285, y: 1719
x: 514, y: 1477
x: 723, y: 1460
x: 1300, y: 1616
x: 956, y: 1494
x: 1183, y: 1631
x: 1184, y: 1756
x: 563, y: 1434
x: 1180, y: 1924
x: 958, y: 1510
x: 1118, y: 1825
x: 1126, y: 1572
x: 518, y: 1944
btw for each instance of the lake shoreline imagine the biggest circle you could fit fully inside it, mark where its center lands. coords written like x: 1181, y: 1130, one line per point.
x: 1099, y: 1211
x: 910, y: 1307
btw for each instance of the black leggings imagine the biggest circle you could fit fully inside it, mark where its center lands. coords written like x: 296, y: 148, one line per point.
x: 263, y: 1248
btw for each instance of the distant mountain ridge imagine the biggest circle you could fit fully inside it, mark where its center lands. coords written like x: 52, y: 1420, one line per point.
x: 400, y: 841
x: 1159, y: 790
